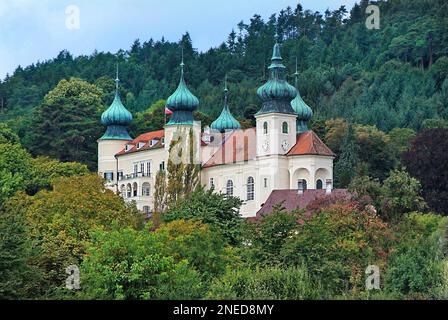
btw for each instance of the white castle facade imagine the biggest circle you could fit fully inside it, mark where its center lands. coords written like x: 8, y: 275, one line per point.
x: 280, y: 153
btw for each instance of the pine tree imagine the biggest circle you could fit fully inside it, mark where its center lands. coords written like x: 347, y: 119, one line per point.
x: 345, y: 168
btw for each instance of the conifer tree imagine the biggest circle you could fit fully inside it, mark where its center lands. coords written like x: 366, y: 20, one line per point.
x: 345, y: 168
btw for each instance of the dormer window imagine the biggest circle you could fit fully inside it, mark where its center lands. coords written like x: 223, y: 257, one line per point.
x: 140, y: 145
x: 128, y: 147
x: 153, y: 142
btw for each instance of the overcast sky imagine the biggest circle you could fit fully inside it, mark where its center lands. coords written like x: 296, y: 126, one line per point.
x: 36, y: 30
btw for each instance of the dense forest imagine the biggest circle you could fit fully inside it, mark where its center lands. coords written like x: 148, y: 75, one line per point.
x: 380, y: 102
x: 391, y: 77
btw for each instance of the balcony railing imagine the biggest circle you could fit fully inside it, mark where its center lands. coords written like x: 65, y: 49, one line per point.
x: 135, y: 176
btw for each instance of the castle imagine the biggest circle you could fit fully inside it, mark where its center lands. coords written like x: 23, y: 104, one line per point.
x: 280, y: 153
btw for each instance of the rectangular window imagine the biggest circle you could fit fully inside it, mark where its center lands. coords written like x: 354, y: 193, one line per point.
x: 265, y: 182
x: 212, y: 183
x: 148, y: 168
x: 109, y: 176
x: 162, y: 166
x: 142, y: 168
x: 120, y: 175
x: 135, y: 169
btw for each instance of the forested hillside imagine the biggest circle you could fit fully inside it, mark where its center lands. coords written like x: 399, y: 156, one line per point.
x: 380, y: 102
x: 392, y: 77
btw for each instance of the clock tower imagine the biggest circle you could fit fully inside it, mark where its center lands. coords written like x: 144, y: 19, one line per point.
x: 276, y: 121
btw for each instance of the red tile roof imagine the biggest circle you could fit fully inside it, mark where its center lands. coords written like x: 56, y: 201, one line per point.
x: 309, y: 143
x: 146, y: 137
x: 291, y: 200
x: 235, y: 148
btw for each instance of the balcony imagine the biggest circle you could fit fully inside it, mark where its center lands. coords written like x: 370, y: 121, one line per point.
x: 134, y: 176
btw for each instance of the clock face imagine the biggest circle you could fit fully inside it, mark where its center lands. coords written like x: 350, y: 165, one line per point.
x: 285, y: 145
x: 266, y: 145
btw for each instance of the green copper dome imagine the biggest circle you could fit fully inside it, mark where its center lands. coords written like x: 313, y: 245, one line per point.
x: 277, y: 93
x: 116, y: 114
x: 182, y: 103
x: 303, y: 111
x: 116, y: 118
x: 225, y: 121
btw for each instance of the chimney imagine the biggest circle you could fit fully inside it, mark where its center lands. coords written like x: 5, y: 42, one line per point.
x: 300, y: 183
x: 328, y: 186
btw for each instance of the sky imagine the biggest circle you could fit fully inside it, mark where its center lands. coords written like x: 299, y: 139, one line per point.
x: 37, y: 30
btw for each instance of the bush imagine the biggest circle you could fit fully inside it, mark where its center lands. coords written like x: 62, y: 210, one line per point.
x: 266, y: 284
x: 129, y: 264
x: 416, y: 269
x: 338, y: 244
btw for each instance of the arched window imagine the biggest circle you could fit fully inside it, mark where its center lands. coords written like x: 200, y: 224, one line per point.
x: 135, y: 189
x: 302, y: 184
x: 319, y: 184
x: 123, y: 191
x: 265, y: 128
x: 229, y: 188
x: 146, y: 189
x: 285, y: 128
x: 250, y: 189
x: 128, y: 191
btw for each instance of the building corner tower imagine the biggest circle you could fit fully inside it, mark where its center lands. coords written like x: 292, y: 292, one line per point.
x: 116, y: 118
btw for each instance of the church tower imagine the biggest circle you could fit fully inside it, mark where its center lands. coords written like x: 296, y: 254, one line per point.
x: 276, y: 121
x: 116, y: 118
x: 183, y: 103
x: 226, y: 121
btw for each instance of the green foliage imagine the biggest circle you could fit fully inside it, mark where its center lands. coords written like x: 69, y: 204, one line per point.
x: 400, y: 140
x: 416, y: 267
x: 195, y: 242
x: 401, y: 194
x: 274, y: 283
x: 345, y: 168
x: 219, y: 211
x: 125, y: 264
x: 66, y: 125
x: 59, y: 222
x: 7, y: 136
x: 14, y: 170
x: 16, y: 276
x: 44, y: 170
x: 337, y: 244
x: 265, y: 238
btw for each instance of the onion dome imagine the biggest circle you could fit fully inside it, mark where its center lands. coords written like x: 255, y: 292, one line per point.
x: 116, y: 118
x: 277, y: 93
x: 303, y: 111
x: 182, y: 102
x: 226, y: 120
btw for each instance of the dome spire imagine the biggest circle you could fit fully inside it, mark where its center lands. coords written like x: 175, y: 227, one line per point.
x: 116, y: 117
x: 276, y: 94
x: 303, y: 111
x: 182, y: 102
x: 226, y: 121
x: 117, y: 81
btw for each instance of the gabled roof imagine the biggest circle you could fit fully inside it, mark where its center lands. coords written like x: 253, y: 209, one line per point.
x: 145, y: 138
x: 292, y: 200
x: 234, y: 149
x: 308, y: 143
